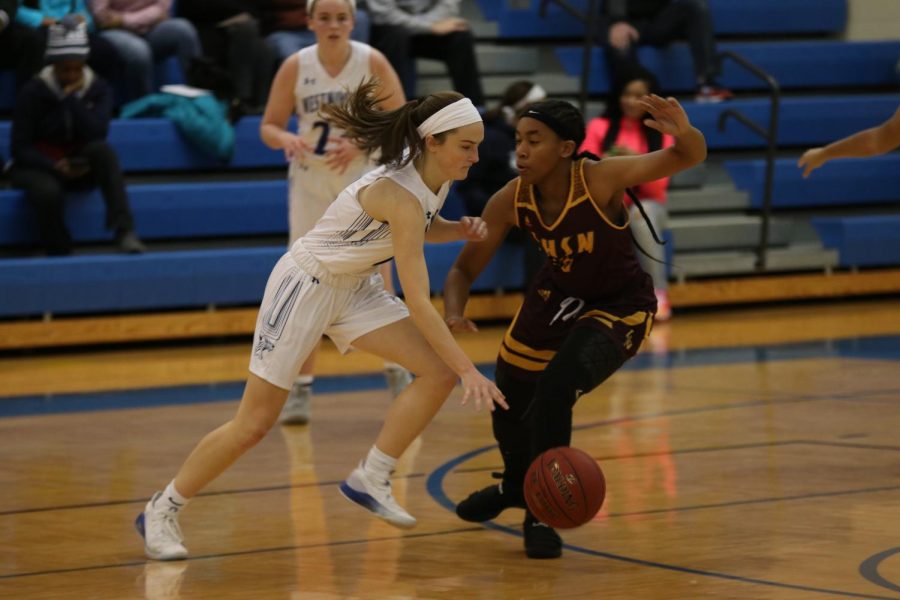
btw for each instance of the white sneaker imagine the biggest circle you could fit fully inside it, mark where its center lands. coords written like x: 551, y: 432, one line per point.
x: 296, y: 408
x: 376, y: 496
x: 397, y: 379
x: 158, y: 526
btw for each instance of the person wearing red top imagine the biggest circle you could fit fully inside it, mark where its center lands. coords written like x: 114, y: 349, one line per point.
x: 621, y: 131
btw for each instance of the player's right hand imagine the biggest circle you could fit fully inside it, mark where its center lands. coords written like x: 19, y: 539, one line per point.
x: 295, y: 147
x: 481, y: 390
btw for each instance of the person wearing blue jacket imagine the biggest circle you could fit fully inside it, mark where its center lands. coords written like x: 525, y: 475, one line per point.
x: 59, y: 130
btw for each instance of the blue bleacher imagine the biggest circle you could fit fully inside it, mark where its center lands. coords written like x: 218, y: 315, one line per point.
x: 730, y: 17
x: 185, y: 279
x: 162, y: 211
x: 803, y: 121
x: 795, y: 64
x: 862, y: 240
x: 855, y: 181
x: 156, y: 145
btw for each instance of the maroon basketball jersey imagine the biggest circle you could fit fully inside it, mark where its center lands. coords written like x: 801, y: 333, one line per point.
x: 591, y: 257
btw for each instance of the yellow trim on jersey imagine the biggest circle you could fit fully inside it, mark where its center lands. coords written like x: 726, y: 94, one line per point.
x: 516, y: 201
x: 520, y: 361
x: 597, y: 208
x: 570, y: 202
x: 631, y: 320
x: 520, y: 348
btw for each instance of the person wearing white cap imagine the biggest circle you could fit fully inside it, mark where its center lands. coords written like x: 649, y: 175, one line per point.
x: 327, y: 284
x: 59, y: 141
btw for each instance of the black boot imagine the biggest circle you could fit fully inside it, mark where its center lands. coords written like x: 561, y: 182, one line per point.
x: 541, y: 541
x: 486, y: 504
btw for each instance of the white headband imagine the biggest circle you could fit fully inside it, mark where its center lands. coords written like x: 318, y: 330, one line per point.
x: 309, y: 5
x: 534, y: 94
x: 460, y: 113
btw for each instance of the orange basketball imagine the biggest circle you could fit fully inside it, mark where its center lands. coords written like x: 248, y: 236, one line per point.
x: 564, y: 487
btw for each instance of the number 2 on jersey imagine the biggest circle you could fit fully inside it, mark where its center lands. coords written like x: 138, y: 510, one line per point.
x: 323, y: 138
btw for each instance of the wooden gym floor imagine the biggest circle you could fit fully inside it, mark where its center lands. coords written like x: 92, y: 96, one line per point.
x: 750, y: 454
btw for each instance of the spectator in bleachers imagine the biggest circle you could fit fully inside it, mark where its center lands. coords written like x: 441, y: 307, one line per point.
x: 621, y: 131
x: 627, y: 23
x: 496, y: 162
x: 408, y: 29
x: 21, y: 47
x: 59, y: 143
x: 285, y: 25
x: 144, y: 32
x: 38, y: 15
x: 869, y: 142
x: 230, y: 35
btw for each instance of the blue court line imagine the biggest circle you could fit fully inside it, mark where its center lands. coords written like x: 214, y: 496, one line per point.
x: 869, y: 569
x: 435, y: 487
x: 868, y: 348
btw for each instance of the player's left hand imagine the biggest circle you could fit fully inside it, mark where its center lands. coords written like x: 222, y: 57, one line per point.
x: 668, y: 115
x: 340, y: 153
x: 811, y: 160
x: 474, y: 229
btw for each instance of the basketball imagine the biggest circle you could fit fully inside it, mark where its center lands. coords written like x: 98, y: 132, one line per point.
x: 564, y: 487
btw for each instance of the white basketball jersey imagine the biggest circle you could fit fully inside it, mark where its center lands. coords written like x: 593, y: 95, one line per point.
x: 347, y: 240
x: 316, y: 88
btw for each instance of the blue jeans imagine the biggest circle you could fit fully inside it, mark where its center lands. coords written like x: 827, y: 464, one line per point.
x: 176, y: 37
x: 285, y: 43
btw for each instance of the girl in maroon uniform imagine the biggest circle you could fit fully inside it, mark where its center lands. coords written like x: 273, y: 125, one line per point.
x: 590, y: 307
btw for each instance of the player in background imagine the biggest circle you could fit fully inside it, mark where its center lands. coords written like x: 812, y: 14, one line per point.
x: 322, y: 160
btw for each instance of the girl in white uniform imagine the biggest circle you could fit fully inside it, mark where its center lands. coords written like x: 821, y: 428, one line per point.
x: 327, y: 284
x: 322, y: 160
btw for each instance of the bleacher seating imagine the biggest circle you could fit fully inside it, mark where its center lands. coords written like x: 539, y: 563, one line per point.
x: 803, y: 121
x: 228, y: 211
x: 846, y: 182
x: 862, y: 240
x: 185, y: 279
x: 156, y: 145
x: 795, y: 64
x: 731, y: 17
x: 163, y: 211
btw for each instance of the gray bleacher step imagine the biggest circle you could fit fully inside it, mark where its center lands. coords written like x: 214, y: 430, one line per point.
x: 715, y: 197
x: 796, y: 257
x: 494, y: 86
x: 492, y: 60
x: 710, y: 232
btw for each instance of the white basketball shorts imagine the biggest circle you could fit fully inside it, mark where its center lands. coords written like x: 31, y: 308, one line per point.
x: 302, y: 302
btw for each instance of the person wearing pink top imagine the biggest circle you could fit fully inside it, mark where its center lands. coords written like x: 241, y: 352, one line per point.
x: 621, y: 131
x: 144, y: 32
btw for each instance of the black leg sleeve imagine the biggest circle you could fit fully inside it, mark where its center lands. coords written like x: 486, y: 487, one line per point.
x: 587, y: 358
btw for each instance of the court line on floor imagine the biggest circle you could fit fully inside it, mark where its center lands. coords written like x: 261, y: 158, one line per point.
x: 681, y: 412
x: 249, y: 552
x: 869, y: 569
x: 868, y: 348
x: 436, y: 491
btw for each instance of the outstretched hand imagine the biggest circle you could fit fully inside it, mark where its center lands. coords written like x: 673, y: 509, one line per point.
x: 668, y: 115
x: 474, y: 229
x: 811, y: 160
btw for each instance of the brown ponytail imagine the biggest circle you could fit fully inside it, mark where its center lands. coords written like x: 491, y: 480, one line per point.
x: 391, y: 131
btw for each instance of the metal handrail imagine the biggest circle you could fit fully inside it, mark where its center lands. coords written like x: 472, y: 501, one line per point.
x: 770, y: 135
x: 589, y: 18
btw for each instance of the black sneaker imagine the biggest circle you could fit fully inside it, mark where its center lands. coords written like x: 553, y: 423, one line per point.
x: 486, y: 504
x: 541, y: 541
